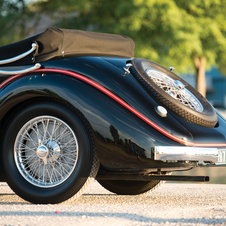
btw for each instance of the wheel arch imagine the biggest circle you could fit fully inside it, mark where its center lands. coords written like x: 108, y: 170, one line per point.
x: 97, y: 108
x: 12, y: 101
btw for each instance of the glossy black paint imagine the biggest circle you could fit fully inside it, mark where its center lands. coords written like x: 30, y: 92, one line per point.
x: 123, y: 140
x: 126, y: 87
x: 108, y: 73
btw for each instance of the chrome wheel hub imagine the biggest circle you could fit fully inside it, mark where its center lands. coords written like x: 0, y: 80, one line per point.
x: 54, y: 150
x: 46, y: 151
x: 42, y: 151
x: 175, y: 89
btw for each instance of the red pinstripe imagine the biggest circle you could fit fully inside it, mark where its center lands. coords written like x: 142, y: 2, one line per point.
x: 107, y: 92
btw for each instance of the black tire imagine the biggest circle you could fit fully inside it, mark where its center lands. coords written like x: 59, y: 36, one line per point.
x: 31, y: 184
x: 206, y: 117
x: 121, y: 187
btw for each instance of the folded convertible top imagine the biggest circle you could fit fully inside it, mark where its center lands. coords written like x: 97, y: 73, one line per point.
x: 57, y: 43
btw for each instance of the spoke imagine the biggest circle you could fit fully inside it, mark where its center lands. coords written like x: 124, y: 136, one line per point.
x: 44, y: 173
x: 54, y: 129
x: 25, y: 148
x: 37, y: 168
x: 63, y: 135
x: 31, y: 166
x: 66, y: 144
x: 36, y: 130
x: 55, y: 169
x: 51, y: 135
x: 53, y: 174
x: 47, y: 172
x: 63, y: 146
x: 26, y: 161
x: 65, y: 162
x: 70, y: 154
x: 27, y: 139
x: 34, y: 143
x: 67, y: 165
x: 63, y: 168
x: 25, y: 158
x: 45, y: 129
x: 30, y: 172
x: 62, y: 164
x: 72, y: 148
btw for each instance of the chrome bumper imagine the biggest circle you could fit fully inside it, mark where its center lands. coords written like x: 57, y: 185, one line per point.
x: 215, y: 155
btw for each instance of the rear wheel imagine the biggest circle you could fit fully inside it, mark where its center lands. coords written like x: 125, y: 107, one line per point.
x: 121, y: 187
x: 48, y: 153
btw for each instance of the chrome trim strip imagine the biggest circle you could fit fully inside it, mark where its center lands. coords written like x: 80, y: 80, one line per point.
x: 222, y: 155
x: 190, y: 154
x: 36, y: 66
x: 7, y: 61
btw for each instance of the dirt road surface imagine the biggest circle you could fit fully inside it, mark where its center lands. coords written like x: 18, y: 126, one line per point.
x: 171, y: 204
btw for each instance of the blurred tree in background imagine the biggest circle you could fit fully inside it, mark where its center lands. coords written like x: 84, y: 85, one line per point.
x: 13, y: 19
x: 188, y: 35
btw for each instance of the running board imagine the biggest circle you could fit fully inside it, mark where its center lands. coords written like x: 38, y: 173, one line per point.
x: 140, y: 177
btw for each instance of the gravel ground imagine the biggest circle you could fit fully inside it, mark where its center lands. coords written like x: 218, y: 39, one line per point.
x: 171, y: 204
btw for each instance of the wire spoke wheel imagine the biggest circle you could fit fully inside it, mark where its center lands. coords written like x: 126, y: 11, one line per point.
x: 175, y: 89
x: 46, y: 151
x: 49, y: 154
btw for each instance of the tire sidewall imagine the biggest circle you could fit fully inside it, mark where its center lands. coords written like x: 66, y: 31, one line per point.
x: 83, y: 166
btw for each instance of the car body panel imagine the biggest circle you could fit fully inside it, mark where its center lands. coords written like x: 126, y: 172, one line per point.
x: 124, y: 140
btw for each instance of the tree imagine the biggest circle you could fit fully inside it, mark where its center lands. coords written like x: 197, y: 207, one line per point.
x: 189, y: 35
x: 209, y: 18
x: 15, y: 19
x: 10, y: 12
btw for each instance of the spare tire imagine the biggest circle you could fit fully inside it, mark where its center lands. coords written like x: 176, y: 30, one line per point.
x: 174, y: 93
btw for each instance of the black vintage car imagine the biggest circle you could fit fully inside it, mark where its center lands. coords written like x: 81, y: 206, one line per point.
x: 76, y: 106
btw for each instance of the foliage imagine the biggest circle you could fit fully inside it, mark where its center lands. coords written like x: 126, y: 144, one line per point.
x: 170, y: 32
x: 209, y: 18
x: 14, y: 18
x: 174, y: 33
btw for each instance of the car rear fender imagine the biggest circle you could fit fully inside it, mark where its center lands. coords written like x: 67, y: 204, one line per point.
x: 123, y: 140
